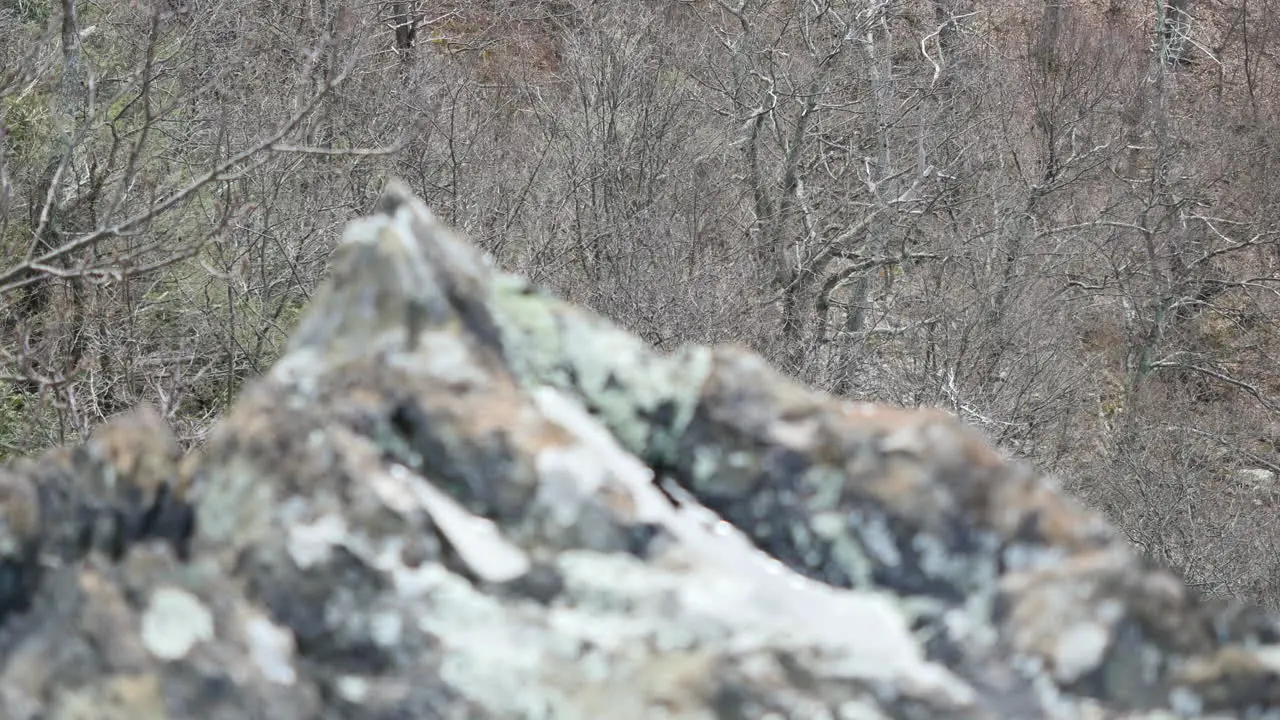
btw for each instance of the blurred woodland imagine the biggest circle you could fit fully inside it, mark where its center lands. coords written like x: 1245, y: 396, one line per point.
x: 1057, y: 221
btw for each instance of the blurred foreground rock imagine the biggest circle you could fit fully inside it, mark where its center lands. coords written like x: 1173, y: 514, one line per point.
x: 458, y: 497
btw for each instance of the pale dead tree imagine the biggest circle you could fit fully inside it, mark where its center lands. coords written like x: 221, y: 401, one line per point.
x: 830, y: 165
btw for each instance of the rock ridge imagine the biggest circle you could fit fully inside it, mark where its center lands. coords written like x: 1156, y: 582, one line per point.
x: 457, y: 496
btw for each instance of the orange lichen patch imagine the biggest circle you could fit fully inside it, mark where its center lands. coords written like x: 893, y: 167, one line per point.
x: 887, y: 416
x: 140, y: 448
x: 1028, y: 504
x: 1234, y: 667
x: 486, y: 414
x: 19, y: 509
x: 905, y: 488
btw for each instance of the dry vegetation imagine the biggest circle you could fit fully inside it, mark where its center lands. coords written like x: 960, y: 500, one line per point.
x: 1058, y: 222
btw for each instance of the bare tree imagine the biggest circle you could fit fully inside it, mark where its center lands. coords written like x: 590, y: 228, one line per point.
x: 141, y: 163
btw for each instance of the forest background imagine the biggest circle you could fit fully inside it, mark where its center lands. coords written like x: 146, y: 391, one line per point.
x: 1057, y: 220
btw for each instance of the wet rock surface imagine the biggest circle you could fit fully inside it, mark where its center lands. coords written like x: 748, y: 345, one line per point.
x: 456, y: 496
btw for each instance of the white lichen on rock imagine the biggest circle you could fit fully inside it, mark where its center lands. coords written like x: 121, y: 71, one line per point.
x: 174, y: 622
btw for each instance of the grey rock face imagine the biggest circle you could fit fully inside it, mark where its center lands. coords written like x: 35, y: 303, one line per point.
x: 458, y: 497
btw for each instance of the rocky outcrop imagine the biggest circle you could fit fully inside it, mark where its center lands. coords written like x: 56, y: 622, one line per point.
x: 458, y: 497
